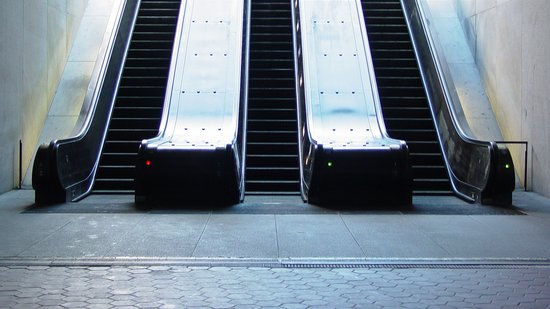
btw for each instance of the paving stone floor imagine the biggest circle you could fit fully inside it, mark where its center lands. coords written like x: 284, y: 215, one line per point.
x: 467, y: 256
x: 246, y: 287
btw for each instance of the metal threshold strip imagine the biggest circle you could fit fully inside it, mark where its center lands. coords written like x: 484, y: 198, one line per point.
x: 312, y: 263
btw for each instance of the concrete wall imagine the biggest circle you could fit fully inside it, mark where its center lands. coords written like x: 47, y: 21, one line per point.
x: 35, y: 40
x: 72, y: 87
x: 510, y: 40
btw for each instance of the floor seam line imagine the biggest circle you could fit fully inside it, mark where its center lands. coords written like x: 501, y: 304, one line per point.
x: 277, y: 237
x: 352, y: 236
x: 46, y: 237
x: 202, y: 233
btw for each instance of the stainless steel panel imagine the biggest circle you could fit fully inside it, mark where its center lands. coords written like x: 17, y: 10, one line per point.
x: 342, y: 103
x: 202, y: 103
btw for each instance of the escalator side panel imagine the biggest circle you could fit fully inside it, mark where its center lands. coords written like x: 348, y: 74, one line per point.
x: 196, y: 157
x: 346, y: 153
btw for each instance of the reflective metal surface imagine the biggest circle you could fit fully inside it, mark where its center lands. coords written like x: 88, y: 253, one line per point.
x: 202, y: 110
x: 346, y: 152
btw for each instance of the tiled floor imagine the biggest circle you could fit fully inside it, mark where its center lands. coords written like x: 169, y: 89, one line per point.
x: 241, y: 287
x: 442, y: 253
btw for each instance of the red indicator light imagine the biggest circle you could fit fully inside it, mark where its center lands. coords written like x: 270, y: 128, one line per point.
x: 148, y: 162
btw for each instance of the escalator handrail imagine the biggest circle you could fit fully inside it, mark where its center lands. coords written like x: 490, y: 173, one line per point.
x: 304, y: 135
x: 450, y: 104
x: 243, y: 106
x: 69, y: 164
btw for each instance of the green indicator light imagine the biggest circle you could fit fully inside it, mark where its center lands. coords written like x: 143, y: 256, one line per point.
x: 329, y: 163
x: 507, y: 165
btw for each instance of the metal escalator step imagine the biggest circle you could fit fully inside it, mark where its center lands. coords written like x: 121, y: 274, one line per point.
x: 152, y: 35
x: 142, y: 71
x: 156, y: 19
x: 272, y: 136
x: 273, y: 174
x: 115, y: 171
x: 288, y: 148
x: 140, y: 97
x: 118, y: 185
x: 401, y: 81
x: 272, y: 113
x: 402, y: 95
x: 147, y: 62
x: 433, y: 192
x: 271, y: 160
x: 431, y: 185
x: 119, y: 159
x: 272, y: 124
x: 275, y: 187
x: 380, y: 5
x: 145, y: 5
x: 429, y: 147
x: 405, y: 62
x: 265, y: 92
x: 121, y: 146
x: 138, y: 101
x: 131, y: 134
x: 409, y: 123
x: 394, y: 36
x: 427, y: 158
x: 279, y: 160
x: 281, y: 82
x: 386, y: 13
x: 159, y: 12
x: 270, y: 193
x: 429, y: 171
x: 138, y: 111
x: 271, y: 29
x: 403, y: 111
x: 413, y: 134
x: 388, y: 21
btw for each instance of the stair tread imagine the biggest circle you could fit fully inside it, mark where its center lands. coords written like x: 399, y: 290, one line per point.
x: 390, y: 43
x: 145, y: 69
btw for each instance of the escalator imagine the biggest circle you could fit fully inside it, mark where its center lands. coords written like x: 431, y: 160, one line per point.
x: 402, y: 95
x: 140, y: 97
x: 272, y: 163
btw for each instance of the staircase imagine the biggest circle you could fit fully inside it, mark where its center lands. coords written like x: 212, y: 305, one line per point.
x: 402, y: 95
x: 138, y: 106
x: 272, y: 164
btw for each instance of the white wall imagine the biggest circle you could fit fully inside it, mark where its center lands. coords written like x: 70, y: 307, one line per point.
x: 510, y: 40
x: 67, y: 102
x: 35, y: 40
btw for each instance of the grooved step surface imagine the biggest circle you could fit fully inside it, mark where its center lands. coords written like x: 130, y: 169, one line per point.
x: 272, y: 165
x: 138, y: 106
x: 404, y: 103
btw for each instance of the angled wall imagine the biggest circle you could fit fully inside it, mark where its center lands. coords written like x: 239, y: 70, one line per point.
x: 510, y: 40
x: 35, y: 40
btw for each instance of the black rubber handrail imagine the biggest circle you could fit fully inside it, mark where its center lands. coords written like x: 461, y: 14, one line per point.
x: 480, y: 171
x: 64, y: 170
x: 243, y: 107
